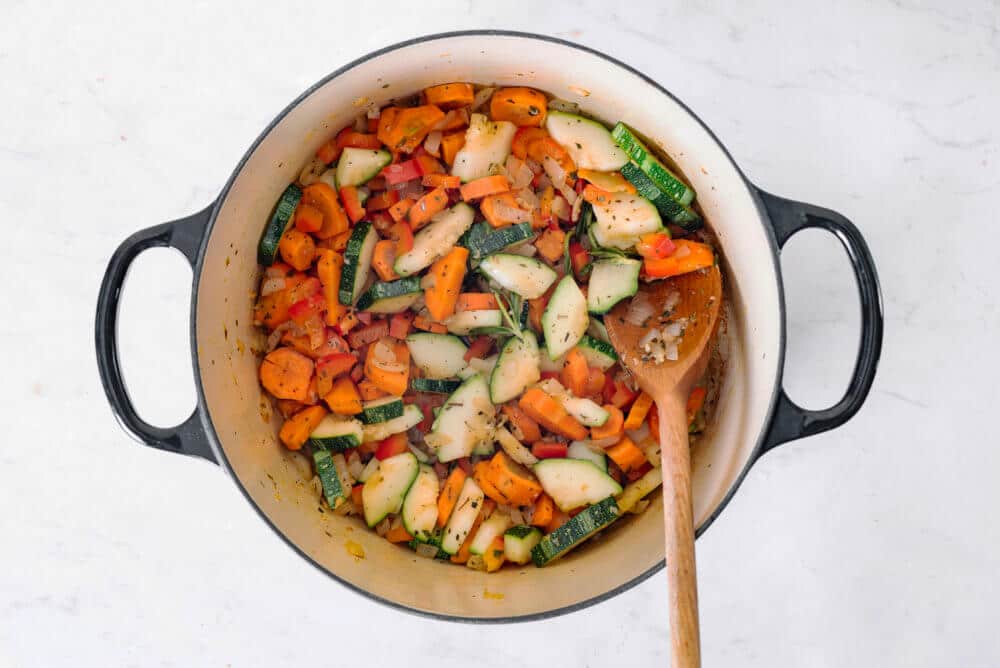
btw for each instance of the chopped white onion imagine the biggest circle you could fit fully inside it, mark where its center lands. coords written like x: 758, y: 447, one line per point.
x: 382, y: 528
x: 510, y: 214
x: 519, y: 173
x: 329, y: 177
x: 274, y: 338
x: 271, y: 285
x: 524, y: 249
x: 560, y: 208
x: 559, y: 178
x: 311, y: 172
x: 361, y: 123
x: 433, y: 142
x: 426, y: 551
x: 482, y: 97
x: 576, y: 210
x: 527, y: 198
x: 639, y: 310
x: 412, y: 189
x: 516, y: 517
x: 354, y: 465
x: 373, y: 112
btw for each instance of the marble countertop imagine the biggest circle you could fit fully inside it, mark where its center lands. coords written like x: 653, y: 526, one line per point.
x: 875, y: 544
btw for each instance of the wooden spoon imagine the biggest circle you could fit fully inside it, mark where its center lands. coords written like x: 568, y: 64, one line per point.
x: 670, y: 383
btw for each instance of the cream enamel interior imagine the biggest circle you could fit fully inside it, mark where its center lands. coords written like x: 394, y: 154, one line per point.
x: 273, y: 478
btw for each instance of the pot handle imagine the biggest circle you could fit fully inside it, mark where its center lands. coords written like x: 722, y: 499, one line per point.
x: 185, y: 235
x: 790, y: 421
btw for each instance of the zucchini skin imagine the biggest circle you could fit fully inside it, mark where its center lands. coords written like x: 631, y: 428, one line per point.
x: 575, y: 531
x: 280, y: 221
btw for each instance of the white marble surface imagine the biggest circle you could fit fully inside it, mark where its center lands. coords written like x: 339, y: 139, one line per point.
x: 875, y: 544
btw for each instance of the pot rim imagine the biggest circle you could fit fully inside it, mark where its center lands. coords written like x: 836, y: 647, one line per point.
x: 206, y: 419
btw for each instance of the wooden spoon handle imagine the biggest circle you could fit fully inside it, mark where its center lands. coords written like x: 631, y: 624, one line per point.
x: 678, y: 526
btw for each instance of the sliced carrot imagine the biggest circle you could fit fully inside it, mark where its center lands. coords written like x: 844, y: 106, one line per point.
x: 547, y: 146
x: 286, y: 373
x: 297, y: 249
x: 687, y: 257
x: 543, y: 214
x: 575, y: 373
x: 398, y: 534
x: 475, y: 301
x: 272, y: 310
x: 386, y: 123
x: 356, y: 498
x: 627, y: 455
x: 329, y: 367
x: 344, y: 398
x: 523, y: 138
x: 338, y: 242
x: 694, y: 403
x: 449, y: 494
x: 428, y: 164
x: 550, y: 244
x: 408, y: 127
x: 450, y: 95
x: 612, y: 182
x: 637, y: 414
x: 399, y: 209
x: 513, y: 481
x: 544, y: 508
x: 428, y: 325
x: 349, y: 137
x: 502, y: 209
x: 382, y: 200
x: 427, y: 207
x: 481, y: 474
x: 527, y: 427
x: 328, y: 269
x: 451, y: 144
x: 390, y: 382
x: 595, y: 195
x: 454, y: 119
x: 445, y: 280
x: 521, y: 106
x: 465, y: 551
x: 478, y: 348
x: 559, y: 518
x: 613, y: 427
x: 296, y: 429
x: 323, y: 197
x: 383, y: 259
x: 441, y: 181
x: 329, y: 151
x: 487, y: 185
x: 494, y: 555
x: 595, y: 381
x: 308, y: 218
x: 369, y: 391
x: 536, y: 308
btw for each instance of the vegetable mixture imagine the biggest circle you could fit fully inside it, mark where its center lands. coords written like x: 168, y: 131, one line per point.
x: 433, y: 293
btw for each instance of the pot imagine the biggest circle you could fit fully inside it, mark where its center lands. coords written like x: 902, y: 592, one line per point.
x: 754, y: 414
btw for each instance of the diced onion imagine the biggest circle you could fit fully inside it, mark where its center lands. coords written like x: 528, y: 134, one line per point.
x: 519, y: 173
x: 516, y: 517
x: 525, y: 249
x: 426, y: 551
x: 510, y: 214
x: 639, y: 311
x: 271, y: 285
x: 527, y: 198
x: 311, y: 172
x: 382, y: 528
x: 482, y: 97
x: 576, y: 210
x: 361, y: 123
x: 373, y: 112
x: 433, y: 142
x: 559, y: 178
x: 329, y: 177
x: 274, y: 338
x: 560, y: 208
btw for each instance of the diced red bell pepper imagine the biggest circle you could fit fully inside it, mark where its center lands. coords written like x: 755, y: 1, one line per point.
x: 399, y: 324
x: 635, y: 474
x: 401, y: 172
x: 368, y: 334
x: 402, y: 234
x: 465, y: 464
x: 390, y: 447
x: 306, y: 288
x: 656, y: 246
x: 579, y: 257
x: 428, y: 165
x: 548, y: 449
x: 478, y: 348
x: 617, y: 393
x: 303, y: 309
x: 550, y: 374
x: 352, y: 203
x: 381, y: 221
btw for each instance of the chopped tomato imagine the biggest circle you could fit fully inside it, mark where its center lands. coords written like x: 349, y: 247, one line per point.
x: 548, y: 449
x: 390, y: 447
x: 655, y: 246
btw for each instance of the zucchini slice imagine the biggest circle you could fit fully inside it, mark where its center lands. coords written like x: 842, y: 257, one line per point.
x: 517, y: 367
x: 598, y: 353
x: 598, y: 331
x: 483, y: 239
x: 358, y: 166
x: 281, y: 219
x: 580, y: 450
x: 637, y: 489
x: 437, y: 355
x: 525, y: 276
x: 467, y: 322
x: 357, y: 263
x: 676, y: 212
x: 383, y: 492
x: 391, y: 297
x: 336, y: 434
x: 583, y: 525
x: 465, y: 420
x: 518, y: 542
x: 420, y: 510
x: 658, y: 173
x: 467, y: 509
x: 565, y: 319
x: 333, y: 489
x: 487, y: 145
x: 435, y: 385
x: 622, y: 220
x: 492, y: 526
x: 411, y: 417
x: 588, y: 142
x: 573, y: 482
x: 382, y: 409
x: 611, y: 281
x: 435, y: 240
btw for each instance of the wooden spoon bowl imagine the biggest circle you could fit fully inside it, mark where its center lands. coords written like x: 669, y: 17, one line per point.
x: 698, y: 302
